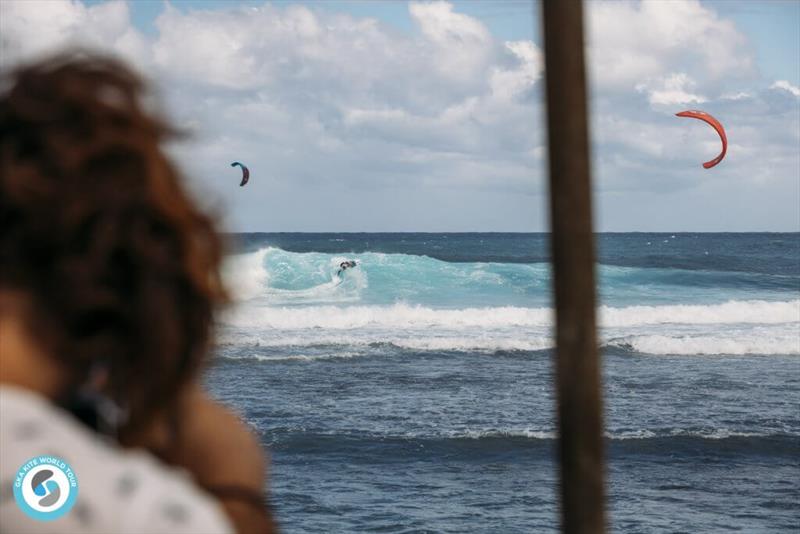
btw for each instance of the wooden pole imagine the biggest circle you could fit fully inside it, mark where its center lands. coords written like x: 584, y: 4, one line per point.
x: 572, y: 242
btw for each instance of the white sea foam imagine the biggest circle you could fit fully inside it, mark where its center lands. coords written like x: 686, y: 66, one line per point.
x: 735, y: 311
x: 493, y: 433
x: 245, y: 275
x: 741, y: 343
x: 549, y: 434
x: 295, y: 357
x: 473, y: 344
x: 623, y: 435
x: 420, y: 342
x: 394, y: 316
x: 617, y: 435
x: 369, y: 343
x: 408, y: 316
x: 717, y: 433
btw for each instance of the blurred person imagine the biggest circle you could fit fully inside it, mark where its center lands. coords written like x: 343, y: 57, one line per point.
x: 109, y: 285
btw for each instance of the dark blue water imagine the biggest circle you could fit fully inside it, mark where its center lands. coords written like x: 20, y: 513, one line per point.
x: 413, y: 393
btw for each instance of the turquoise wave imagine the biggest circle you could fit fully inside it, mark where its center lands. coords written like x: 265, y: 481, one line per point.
x: 281, y: 277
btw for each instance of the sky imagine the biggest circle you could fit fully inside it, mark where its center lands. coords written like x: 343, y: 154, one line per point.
x: 364, y: 116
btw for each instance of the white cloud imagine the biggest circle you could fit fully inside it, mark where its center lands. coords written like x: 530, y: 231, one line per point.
x: 333, y: 112
x: 736, y: 96
x: 463, y: 44
x: 674, y: 89
x: 786, y: 86
x: 509, y: 83
x: 634, y: 41
x: 33, y: 28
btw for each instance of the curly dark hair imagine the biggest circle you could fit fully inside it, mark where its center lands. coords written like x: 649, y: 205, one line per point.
x: 97, y: 231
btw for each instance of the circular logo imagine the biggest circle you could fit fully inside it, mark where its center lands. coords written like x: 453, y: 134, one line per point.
x: 45, y: 487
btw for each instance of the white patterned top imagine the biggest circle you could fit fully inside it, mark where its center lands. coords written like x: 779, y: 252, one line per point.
x: 118, y: 491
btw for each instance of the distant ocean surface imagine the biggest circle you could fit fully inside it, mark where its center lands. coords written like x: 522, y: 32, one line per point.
x: 414, y: 392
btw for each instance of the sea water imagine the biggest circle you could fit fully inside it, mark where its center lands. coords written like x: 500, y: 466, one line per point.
x: 414, y: 392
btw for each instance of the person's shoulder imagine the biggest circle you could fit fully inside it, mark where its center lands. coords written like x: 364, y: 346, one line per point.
x: 118, y: 490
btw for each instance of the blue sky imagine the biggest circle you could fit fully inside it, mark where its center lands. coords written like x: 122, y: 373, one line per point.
x: 427, y: 116
x: 773, y: 27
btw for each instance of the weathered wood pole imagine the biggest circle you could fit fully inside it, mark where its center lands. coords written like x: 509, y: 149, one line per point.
x: 572, y: 244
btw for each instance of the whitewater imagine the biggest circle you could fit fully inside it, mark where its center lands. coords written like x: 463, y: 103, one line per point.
x: 295, y: 299
x: 414, y: 392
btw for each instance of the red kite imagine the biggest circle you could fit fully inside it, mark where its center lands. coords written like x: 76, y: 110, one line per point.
x: 703, y: 116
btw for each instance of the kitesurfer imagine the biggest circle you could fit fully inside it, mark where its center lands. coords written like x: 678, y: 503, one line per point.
x: 348, y: 264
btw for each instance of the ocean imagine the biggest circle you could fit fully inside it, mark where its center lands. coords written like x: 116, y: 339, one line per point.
x: 414, y: 391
